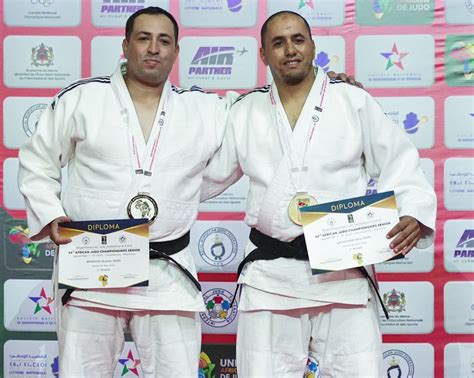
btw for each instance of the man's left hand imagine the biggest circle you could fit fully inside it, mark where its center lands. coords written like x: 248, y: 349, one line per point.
x: 407, y: 232
x: 345, y: 78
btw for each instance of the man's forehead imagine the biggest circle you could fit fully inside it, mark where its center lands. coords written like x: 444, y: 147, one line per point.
x: 286, y: 24
x: 148, y: 23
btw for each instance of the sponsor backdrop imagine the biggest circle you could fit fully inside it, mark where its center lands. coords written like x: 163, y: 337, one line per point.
x: 415, y: 56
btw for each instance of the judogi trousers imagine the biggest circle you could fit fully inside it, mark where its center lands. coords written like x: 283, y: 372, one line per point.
x: 92, y: 339
x: 346, y: 341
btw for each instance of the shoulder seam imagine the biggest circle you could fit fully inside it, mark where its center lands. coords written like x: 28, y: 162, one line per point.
x: 99, y: 79
x: 194, y: 88
x: 263, y: 89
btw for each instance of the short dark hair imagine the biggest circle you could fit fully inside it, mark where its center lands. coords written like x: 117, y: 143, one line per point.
x: 151, y: 11
x: 263, y: 30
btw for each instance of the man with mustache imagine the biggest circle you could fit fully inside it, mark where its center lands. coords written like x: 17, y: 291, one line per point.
x: 306, y: 139
x: 130, y: 144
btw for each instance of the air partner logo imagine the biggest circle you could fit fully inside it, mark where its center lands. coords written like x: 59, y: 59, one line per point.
x: 218, y: 246
x: 219, y: 312
x: 465, y: 246
x: 206, y: 367
x: 397, y: 363
x: 42, y: 302
x: 394, y: 301
x: 130, y: 365
x: 371, y: 187
x: 218, y: 62
x: 213, y: 60
x: 31, y: 117
x: 394, y: 58
x: 121, y: 6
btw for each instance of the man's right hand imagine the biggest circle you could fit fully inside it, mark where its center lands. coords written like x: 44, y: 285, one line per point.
x: 52, y: 230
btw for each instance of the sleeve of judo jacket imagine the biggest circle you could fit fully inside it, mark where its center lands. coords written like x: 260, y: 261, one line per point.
x: 393, y: 161
x: 223, y: 168
x: 40, y: 161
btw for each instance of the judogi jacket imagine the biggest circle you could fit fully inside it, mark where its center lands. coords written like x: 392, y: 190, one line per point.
x: 87, y: 130
x: 343, y: 137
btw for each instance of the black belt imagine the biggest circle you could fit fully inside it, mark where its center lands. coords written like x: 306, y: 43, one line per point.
x: 269, y: 248
x: 159, y: 250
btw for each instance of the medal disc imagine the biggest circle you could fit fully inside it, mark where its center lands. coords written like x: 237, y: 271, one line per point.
x: 142, y: 206
x: 297, y: 202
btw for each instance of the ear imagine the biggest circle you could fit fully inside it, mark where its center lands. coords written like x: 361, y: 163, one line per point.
x: 263, y: 56
x: 176, y: 52
x: 125, y: 47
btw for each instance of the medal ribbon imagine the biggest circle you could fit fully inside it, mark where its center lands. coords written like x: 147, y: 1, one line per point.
x: 144, y: 154
x: 298, y: 167
x: 144, y: 160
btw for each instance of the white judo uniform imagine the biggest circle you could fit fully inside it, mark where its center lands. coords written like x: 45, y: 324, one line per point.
x: 341, y: 138
x: 89, y: 128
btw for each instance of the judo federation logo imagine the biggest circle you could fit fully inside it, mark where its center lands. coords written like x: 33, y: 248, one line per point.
x: 412, y: 122
x: 206, y: 367
x: 394, y: 58
x: 42, y: 302
x: 30, y: 118
x: 130, y: 365
x: 398, y: 364
x: 394, y: 301
x: 42, y: 56
x: 218, y: 312
x: 218, y: 246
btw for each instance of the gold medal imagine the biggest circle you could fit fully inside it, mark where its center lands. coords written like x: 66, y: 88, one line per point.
x: 299, y: 200
x: 142, y: 206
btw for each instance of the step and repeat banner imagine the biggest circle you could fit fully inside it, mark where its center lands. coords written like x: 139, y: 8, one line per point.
x: 415, y: 56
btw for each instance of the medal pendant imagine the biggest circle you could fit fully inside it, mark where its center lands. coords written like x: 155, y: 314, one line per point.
x: 142, y: 206
x: 298, y: 201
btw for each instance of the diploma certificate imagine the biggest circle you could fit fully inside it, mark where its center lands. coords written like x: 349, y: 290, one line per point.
x: 349, y: 233
x: 104, y: 254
